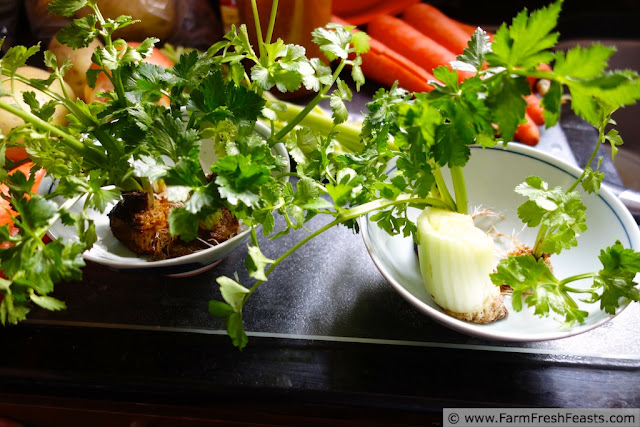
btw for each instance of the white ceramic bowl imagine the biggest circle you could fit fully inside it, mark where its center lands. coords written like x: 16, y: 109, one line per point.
x: 110, y: 252
x: 491, y: 176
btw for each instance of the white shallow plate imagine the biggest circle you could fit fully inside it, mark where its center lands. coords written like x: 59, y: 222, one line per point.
x: 491, y: 176
x: 110, y: 252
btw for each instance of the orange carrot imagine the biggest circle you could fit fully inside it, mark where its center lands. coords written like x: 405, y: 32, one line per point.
x: 387, y: 66
x: 16, y: 154
x: 535, y: 109
x: 362, y: 12
x: 411, y: 43
x: 438, y: 26
x: 527, y: 132
x: 6, y: 212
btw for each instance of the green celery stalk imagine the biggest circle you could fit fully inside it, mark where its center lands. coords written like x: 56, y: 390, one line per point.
x: 348, y: 133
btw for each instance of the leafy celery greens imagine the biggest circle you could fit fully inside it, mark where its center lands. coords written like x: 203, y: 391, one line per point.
x: 122, y: 143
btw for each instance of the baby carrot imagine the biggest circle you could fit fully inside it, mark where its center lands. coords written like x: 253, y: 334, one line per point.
x: 16, y: 154
x: 535, y: 109
x: 527, y: 132
x: 411, y: 43
x: 431, y: 22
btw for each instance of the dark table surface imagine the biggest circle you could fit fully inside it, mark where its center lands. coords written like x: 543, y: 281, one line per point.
x: 329, y: 340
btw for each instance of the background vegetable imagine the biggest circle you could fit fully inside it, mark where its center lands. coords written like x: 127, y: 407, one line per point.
x: 157, y: 17
x: 17, y: 89
x: 103, y: 84
x: 358, y: 12
x: 411, y: 43
x: 76, y: 76
x: 434, y: 24
x: 535, y: 110
x: 7, y: 214
x: 527, y: 132
x: 384, y: 65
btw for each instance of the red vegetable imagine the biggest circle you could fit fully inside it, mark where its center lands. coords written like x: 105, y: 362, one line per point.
x: 438, y: 26
x: 6, y: 212
x: 535, y: 109
x: 16, y: 154
x: 360, y: 12
x: 527, y: 132
x: 411, y: 43
x: 386, y: 66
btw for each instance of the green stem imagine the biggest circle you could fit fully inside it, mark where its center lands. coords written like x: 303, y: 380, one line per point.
x: 115, y: 76
x: 443, y: 190
x: 544, y: 229
x: 345, y: 216
x: 592, y: 158
x: 64, y: 100
x: 90, y: 154
x: 537, y: 247
x: 68, y: 204
x: 577, y: 277
x: 460, y: 190
x: 272, y: 22
x: 348, y: 134
x: 256, y: 20
x: 65, y: 93
x: 314, y: 102
x: 547, y: 75
x: 88, y: 121
x: 107, y: 140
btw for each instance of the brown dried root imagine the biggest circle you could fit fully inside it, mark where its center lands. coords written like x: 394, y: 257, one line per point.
x: 493, y: 309
x: 145, y: 230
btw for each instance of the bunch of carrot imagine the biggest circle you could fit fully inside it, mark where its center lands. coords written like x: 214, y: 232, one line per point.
x: 406, y: 49
x: 7, y: 214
